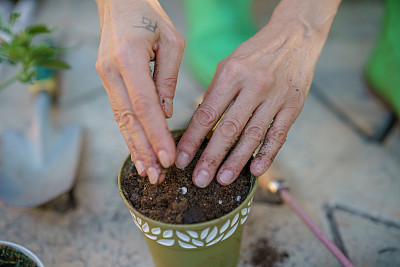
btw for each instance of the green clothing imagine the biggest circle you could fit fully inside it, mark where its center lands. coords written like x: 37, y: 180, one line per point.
x: 214, y: 29
x: 383, y: 68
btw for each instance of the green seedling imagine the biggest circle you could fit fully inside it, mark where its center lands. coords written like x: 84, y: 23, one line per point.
x: 17, y: 49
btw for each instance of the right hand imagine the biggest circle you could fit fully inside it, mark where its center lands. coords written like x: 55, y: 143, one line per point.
x: 133, y: 33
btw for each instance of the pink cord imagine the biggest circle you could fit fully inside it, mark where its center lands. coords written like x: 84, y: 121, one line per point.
x: 314, y: 228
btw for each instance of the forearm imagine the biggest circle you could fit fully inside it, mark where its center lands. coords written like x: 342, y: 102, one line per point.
x: 315, y: 16
x: 300, y: 24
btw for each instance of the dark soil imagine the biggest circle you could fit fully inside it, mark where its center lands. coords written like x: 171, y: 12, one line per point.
x: 178, y: 201
x: 10, y: 257
x: 265, y: 255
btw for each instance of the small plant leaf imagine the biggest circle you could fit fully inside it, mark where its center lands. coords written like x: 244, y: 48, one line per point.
x: 42, y: 51
x: 13, y: 18
x: 18, y: 50
x: 54, y: 64
x: 37, y: 29
x: 27, y: 76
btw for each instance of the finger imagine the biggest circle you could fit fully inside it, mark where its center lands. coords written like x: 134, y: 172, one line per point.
x: 145, y: 103
x: 205, y: 117
x: 251, y: 137
x: 126, y: 118
x: 274, y: 140
x: 168, y: 61
x: 130, y: 126
x: 134, y: 157
x: 224, y: 137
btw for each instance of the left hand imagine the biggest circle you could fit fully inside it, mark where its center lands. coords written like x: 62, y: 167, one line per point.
x: 268, y: 78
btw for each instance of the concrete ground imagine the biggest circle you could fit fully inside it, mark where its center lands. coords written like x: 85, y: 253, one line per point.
x: 348, y: 184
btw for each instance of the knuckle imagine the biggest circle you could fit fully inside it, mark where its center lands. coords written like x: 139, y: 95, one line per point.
x: 229, y: 129
x: 141, y: 105
x: 180, y: 41
x: 221, y: 64
x: 277, y: 135
x: 234, y: 66
x: 299, y: 99
x: 255, y: 133
x: 208, y: 161
x: 123, y: 117
x: 296, y: 104
x: 175, y: 39
x: 205, y: 116
x: 230, y: 69
x: 169, y: 83
x: 103, y: 67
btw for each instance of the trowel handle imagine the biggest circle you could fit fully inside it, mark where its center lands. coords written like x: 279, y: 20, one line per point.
x: 41, y: 120
x: 41, y: 115
x: 43, y: 88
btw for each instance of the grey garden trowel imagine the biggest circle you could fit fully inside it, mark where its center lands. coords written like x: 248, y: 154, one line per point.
x: 40, y: 165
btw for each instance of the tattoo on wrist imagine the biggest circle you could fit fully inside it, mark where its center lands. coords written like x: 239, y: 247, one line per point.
x: 147, y: 24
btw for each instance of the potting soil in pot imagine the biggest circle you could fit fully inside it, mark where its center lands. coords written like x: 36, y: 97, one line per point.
x: 178, y: 201
x: 10, y: 257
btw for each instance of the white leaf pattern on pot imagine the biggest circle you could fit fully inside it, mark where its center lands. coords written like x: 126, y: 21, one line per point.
x: 156, y: 231
x: 215, y: 241
x: 192, y: 234
x: 244, y: 211
x: 145, y: 228
x: 166, y: 242
x: 197, y: 243
x: 243, y: 220
x: 224, y: 227
x: 167, y: 234
x: 191, y: 237
x: 213, y: 233
x: 185, y: 245
x: 231, y: 231
x: 204, y: 233
x: 183, y: 236
x: 235, y: 219
x: 137, y: 225
x: 133, y: 214
x: 151, y: 236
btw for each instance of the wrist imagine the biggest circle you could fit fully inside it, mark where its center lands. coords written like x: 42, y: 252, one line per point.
x: 301, y: 24
x: 309, y: 17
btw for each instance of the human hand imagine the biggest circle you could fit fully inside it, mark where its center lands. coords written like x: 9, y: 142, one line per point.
x: 268, y: 78
x: 133, y: 33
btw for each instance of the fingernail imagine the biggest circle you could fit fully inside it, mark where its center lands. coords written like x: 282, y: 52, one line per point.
x: 168, y: 107
x: 258, y: 168
x: 163, y: 158
x: 226, y: 176
x: 182, y: 160
x: 202, y: 178
x: 139, y: 167
x: 153, y: 175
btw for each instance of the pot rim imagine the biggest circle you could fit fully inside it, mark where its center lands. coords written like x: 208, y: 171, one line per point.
x: 171, y: 226
x: 23, y: 250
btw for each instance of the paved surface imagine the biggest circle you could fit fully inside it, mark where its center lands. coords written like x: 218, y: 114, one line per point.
x: 350, y: 186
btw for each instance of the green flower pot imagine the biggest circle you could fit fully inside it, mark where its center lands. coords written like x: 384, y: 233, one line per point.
x: 212, y: 243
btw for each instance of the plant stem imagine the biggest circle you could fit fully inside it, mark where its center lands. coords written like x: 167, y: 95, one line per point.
x: 8, y: 82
